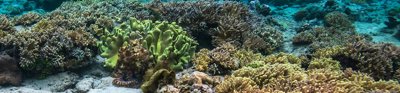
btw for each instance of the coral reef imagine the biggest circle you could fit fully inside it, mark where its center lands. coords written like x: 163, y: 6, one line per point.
x: 322, y: 37
x: 132, y: 63
x: 338, y: 20
x: 6, y: 26
x: 236, y: 85
x: 51, y: 50
x: 224, y: 59
x: 197, y: 82
x: 264, y: 39
x: 9, y: 71
x: 380, y: 60
x: 169, y: 44
x: 27, y: 19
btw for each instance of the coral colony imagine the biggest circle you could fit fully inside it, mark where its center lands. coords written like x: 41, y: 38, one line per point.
x: 206, y: 46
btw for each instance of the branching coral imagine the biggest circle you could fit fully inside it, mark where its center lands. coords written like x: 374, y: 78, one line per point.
x: 50, y: 50
x: 225, y: 22
x: 338, y: 20
x: 9, y: 71
x: 27, y: 19
x: 324, y: 63
x: 283, y: 58
x: 380, y: 60
x: 236, y: 85
x: 264, y: 39
x: 6, y: 26
x: 201, y: 60
x: 275, y: 76
x: 322, y: 37
x: 224, y: 59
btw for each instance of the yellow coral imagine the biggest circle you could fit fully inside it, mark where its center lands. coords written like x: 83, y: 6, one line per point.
x: 201, y: 60
x: 330, y: 51
x: 324, y: 63
x: 236, y: 85
x: 245, y: 57
x: 283, y: 58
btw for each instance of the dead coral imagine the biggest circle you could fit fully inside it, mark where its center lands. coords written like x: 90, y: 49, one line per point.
x: 9, y: 71
x: 27, y: 19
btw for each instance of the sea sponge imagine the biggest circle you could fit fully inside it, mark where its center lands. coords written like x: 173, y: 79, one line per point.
x: 236, y: 85
x: 9, y: 71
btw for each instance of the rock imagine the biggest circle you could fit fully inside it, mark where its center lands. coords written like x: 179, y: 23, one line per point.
x: 112, y: 89
x: 85, y: 85
x: 22, y: 90
x: 103, y: 82
x: 9, y: 71
x: 55, y: 83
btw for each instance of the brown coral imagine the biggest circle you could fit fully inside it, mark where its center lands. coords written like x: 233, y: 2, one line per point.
x: 9, y: 71
x: 27, y: 19
x: 381, y: 60
x: 5, y: 24
x: 201, y: 60
x: 338, y: 20
x: 132, y: 62
x: 236, y: 85
x: 264, y: 39
x: 197, y: 82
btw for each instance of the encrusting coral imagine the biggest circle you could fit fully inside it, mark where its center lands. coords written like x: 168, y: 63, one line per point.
x: 9, y: 71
